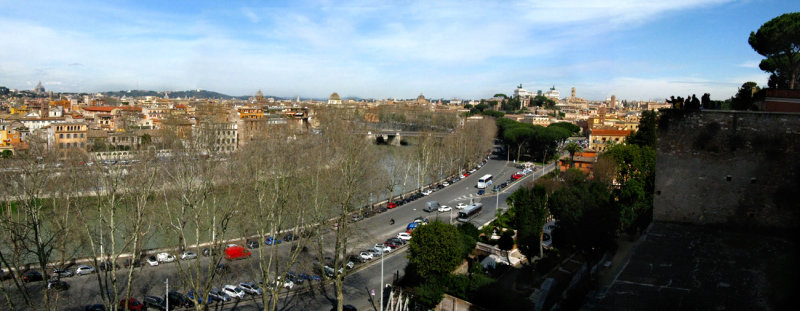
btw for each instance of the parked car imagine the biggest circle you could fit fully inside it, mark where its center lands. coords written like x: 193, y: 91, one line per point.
x: 61, y: 273
x: 272, y: 240
x: 291, y: 276
x: 516, y: 176
x: 383, y: 247
x: 58, y: 285
x: 95, y: 307
x: 445, y: 208
x: 131, y: 262
x: 329, y: 271
x: 412, y: 226
x: 152, y: 261
x: 376, y: 252
x: 178, y: 300
x: 252, y: 244
x: 131, y: 303
x: 233, y: 291
x: 165, y: 257
x: 153, y: 302
x: 201, y: 300
x: 236, y: 252
x: 427, y: 192
x: 404, y: 236
x: 391, y: 205
x: 84, y: 269
x: 365, y: 255
x: 391, y: 244
x: 308, y: 277
x: 290, y: 237
x: 106, y: 265
x: 445, y: 183
x: 396, y: 241
x: 284, y: 283
x: 481, y: 191
x: 187, y: 255
x: 251, y: 288
x: 218, y: 295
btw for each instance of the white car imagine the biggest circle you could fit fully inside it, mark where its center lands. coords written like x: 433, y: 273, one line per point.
x: 461, y: 206
x: 445, y: 184
x: 472, y: 171
x: 233, y: 291
x: 384, y: 248
x: 427, y: 192
x: 445, y: 208
x: 152, y: 261
x: 165, y: 257
x: 404, y: 236
x: 187, y: 255
x: 251, y: 288
x: 84, y: 269
x: 284, y: 283
x: 365, y: 255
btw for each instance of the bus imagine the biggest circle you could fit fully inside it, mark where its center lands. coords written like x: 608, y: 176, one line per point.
x: 469, y: 212
x: 485, y: 181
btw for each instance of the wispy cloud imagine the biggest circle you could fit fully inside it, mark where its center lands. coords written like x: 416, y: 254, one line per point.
x: 750, y: 64
x: 363, y: 48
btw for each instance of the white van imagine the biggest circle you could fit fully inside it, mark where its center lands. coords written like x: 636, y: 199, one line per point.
x: 431, y: 206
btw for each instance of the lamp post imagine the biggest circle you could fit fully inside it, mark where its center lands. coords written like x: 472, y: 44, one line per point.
x: 167, y: 294
x: 382, y: 251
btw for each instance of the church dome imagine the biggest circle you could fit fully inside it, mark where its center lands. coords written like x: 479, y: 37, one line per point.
x: 334, y: 96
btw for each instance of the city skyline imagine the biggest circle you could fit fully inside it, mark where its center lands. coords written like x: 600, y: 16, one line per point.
x: 634, y: 50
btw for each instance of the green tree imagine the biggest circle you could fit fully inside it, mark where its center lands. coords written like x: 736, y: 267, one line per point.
x: 646, y: 134
x: 468, y: 234
x: 435, y: 249
x: 542, y: 101
x: 746, y: 96
x: 572, y: 148
x: 779, y: 41
x: 7, y: 154
x: 636, y: 177
x: 586, y: 218
x: 501, y: 95
x: 429, y: 293
x: 530, y: 205
x: 146, y: 139
x: 571, y: 127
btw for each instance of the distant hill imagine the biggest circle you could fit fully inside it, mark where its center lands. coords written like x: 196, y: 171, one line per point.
x: 174, y: 94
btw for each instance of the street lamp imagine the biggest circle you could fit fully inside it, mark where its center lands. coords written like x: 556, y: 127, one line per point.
x: 382, y: 251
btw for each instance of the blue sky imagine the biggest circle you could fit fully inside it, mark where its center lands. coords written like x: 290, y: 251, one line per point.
x: 646, y: 49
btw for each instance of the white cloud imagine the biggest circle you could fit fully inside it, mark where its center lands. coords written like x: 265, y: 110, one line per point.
x: 750, y: 64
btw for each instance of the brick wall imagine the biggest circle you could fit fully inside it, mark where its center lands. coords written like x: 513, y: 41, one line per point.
x: 727, y: 168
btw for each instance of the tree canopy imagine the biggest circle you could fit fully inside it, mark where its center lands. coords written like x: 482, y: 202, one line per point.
x: 542, y: 101
x: 435, y: 249
x: 530, y: 212
x: 536, y: 141
x: 779, y: 41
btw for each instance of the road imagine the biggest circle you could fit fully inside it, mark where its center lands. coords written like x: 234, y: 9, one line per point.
x: 358, y: 283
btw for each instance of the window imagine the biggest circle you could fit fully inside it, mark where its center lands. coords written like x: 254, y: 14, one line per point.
x: 81, y: 135
x: 60, y: 135
x: 67, y: 135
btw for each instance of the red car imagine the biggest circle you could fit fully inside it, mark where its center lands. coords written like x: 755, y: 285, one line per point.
x: 391, y: 205
x: 236, y: 252
x: 132, y: 304
x: 516, y: 176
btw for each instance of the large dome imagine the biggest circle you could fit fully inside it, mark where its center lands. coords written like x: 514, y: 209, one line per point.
x: 334, y: 96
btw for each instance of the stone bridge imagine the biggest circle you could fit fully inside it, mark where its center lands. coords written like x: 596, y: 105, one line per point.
x: 394, y: 137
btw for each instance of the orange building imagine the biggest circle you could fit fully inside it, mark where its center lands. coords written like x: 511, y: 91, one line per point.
x: 600, y: 139
x: 583, y: 161
x: 251, y: 113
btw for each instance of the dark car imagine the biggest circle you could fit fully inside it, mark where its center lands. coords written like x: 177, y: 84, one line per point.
x: 291, y: 276
x: 57, y: 285
x: 131, y: 303
x: 251, y: 244
x: 128, y: 262
x: 177, y: 299
x: 95, y: 307
x: 223, y: 268
x: 153, y: 302
x: 396, y: 241
x: 481, y: 192
x: 106, y: 265
x: 290, y: 237
x: 32, y: 276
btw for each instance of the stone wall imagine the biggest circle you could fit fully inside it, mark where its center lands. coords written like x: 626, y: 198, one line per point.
x: 728, y: 168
